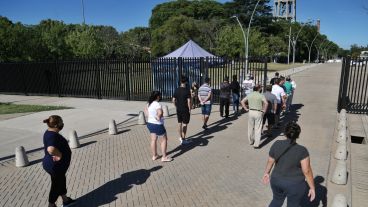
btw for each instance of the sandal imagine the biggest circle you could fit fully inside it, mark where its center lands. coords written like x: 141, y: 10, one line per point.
x: 155, y: 157
x: 166, y: 159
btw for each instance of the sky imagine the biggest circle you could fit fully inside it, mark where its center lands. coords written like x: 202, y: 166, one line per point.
x: 343, y: 21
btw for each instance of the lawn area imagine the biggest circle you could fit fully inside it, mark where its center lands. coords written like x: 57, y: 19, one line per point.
x: 9, y: 108
x: 281, y: 66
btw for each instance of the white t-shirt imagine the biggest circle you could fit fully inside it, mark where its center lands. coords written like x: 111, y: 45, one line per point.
x: 278, y: 92
x: 293, y: 84
x: 152, y: 113
x: 248, y: 86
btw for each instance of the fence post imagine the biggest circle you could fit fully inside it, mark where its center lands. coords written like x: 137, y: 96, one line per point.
x: 21, y: 71
x: 265, y: 74
x: 345, y: 82
x: 57, y: 77
x: 98, y: 79
x: 127, y: 80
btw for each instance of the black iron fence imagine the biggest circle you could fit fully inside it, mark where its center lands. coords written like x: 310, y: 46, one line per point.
x: 353, y: 94
x: 126, y: 79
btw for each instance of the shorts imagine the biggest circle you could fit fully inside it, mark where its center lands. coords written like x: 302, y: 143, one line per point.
x: 183, y: 116
x: 270, y: 117
x: 206, y: 109
x: 158, y: 129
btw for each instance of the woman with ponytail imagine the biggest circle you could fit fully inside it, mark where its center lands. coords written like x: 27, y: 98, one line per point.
x: 155, y: 125
x: 56, y: 160
x: 291, y: 169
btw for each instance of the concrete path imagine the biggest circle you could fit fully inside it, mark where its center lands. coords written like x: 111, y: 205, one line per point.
x: 218, y: 169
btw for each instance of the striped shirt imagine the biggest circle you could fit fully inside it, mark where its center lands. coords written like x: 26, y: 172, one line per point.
x: 203, y: 92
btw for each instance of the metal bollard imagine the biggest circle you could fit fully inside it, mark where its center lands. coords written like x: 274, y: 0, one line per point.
x: 141, y: 118
x: 112, y: 127
x: 73, y: 140
x: 339, y: 201
x: 165, y: 109
x: 340, y: 174
x: 341, y: 152
x: 21, y: 159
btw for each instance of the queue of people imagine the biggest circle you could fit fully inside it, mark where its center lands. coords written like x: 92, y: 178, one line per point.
x: 291, y: 175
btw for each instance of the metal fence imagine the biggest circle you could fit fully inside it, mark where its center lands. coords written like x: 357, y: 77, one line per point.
x: 353, y: 94
x: 127, y: 79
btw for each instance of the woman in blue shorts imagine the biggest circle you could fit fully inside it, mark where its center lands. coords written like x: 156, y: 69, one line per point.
x: 155, y: 125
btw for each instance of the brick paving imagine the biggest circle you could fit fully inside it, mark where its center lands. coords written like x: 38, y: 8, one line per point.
x: 218, y: 169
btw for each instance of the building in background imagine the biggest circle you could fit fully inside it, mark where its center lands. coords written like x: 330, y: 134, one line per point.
x: 285, y: 9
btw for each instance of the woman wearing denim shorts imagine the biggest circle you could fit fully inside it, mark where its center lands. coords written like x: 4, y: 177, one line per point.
x: 155, y: 125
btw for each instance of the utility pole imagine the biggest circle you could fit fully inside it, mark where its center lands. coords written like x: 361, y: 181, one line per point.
x: 84, y: 19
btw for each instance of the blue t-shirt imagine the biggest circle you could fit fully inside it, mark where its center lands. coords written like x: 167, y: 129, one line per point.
x: 54, y: 139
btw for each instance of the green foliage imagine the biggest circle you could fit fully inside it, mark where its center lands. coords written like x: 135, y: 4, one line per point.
x: 136, y: 42
x: 84, y: 42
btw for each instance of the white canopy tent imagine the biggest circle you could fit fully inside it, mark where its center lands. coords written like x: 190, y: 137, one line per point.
x: 189, y: 50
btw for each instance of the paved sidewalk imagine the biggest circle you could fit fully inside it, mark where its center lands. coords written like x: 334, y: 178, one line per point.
x: 218, y: 169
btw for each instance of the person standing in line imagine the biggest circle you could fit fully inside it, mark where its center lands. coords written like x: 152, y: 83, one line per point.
x: 235, y: 89
x: 291, y: 167
x: 257, y: 107
x: 281, y: 99
x: 225, y: 92
x: 289, y: 91
x: 271, y: 109
x: 248, y: 85
x: 293, y: 85
x: 56, y: 160
x: 182, y: 102
x: 194, y: 94
x: 204, y: 96
x: 272, y: 81
x: 155, y: 125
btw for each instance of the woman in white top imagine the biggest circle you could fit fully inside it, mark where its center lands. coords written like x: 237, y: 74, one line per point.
x: 155, y: 125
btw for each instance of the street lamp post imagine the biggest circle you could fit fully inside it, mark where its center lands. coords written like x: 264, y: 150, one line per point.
x: 310, y: 47
x: 247, y: 42
x: 294, y: 42
x: 84, y: 19
x: 245, y: 39
x: 289, y: 46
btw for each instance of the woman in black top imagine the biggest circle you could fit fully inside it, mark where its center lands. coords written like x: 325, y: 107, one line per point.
x: 56, y: 160
x: 235, y: 89
x: 291, y: 168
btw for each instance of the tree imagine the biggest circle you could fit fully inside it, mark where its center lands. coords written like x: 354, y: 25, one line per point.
x: 84, y: 42
x: 277, y: 47
x: 109, y: 40
x: 230, y: 42
x: 175, y: 32
x: 136, y: 42
x: 53, y: 35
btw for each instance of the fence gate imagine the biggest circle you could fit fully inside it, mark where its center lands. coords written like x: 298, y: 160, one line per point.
x: 353, y: 94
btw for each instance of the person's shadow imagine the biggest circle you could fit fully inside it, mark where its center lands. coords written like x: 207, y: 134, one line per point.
x: 107, y: 193
x: 292, y: 115
x: 321, y: 195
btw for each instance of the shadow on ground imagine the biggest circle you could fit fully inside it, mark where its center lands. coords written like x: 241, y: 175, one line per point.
x: 292, y: 115
x: 321, y: 195
x: 201, y: 138
x: 106, y: 193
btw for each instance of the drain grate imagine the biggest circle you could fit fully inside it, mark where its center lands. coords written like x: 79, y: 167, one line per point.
x: 357, y: 140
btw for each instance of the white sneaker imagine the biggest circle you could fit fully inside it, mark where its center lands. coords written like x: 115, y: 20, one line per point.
x: 186, y: 141
x: 181, y: 140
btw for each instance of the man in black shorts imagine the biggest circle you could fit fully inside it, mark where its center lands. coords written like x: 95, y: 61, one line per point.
x: 182, y: 102
x: 271, y: 109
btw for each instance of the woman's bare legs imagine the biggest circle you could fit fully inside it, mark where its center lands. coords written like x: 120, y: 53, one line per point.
x: 154, y: 146
x: 164, y: 148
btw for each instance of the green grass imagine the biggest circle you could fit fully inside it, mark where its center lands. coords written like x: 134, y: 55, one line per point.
x: 9, y: 108
x: 280, y: 66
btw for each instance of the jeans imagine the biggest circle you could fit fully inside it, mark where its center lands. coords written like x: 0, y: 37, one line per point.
x: 292, y: 190
x: 235, y: 102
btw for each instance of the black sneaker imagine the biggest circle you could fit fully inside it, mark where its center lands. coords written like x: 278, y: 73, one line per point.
x: 69, y: 202
x: 204, y: 126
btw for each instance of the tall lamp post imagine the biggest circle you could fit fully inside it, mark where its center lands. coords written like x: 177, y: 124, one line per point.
x: 294, y: 42
x: 247, y: 42
x: 245, y: 39
x: 84, y: 19
x: 310, y: 47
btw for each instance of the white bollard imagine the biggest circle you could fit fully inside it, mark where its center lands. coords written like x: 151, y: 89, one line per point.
x: 165, y: 110
x: 73, y: 140
x: 341, y: 136
x: 340, y: 174
x: 342, y: 115
x: 342, y: 124
x: 141, y: 118
x: 339, y: 201
x: 341, y: 151
x: 112, y: 127
x: 21, y: 159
